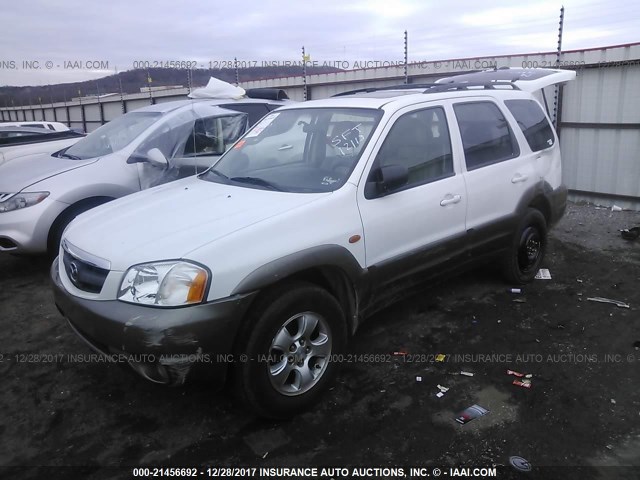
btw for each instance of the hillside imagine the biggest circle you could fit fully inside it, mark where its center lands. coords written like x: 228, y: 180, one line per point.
x: 133, y: 80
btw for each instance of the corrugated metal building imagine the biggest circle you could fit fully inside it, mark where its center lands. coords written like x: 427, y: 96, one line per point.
x: 599, y: 118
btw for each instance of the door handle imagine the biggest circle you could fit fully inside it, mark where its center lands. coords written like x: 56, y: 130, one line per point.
x: 517, y: 178
x: 285, y: 147
x: 450, y: 199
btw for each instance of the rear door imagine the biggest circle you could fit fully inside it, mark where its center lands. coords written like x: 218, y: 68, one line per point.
x: 497, y: 172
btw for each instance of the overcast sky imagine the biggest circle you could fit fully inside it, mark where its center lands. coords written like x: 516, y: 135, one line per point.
x: 121, y: 32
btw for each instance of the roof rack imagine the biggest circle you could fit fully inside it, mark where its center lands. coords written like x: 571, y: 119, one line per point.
x: 267, y: 93
x: 490, y: 85
x: 404, y: 86
x: 436, y: 87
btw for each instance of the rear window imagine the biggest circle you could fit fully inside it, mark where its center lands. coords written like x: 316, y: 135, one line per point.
x: 532, y: 122
x: 485, y: 132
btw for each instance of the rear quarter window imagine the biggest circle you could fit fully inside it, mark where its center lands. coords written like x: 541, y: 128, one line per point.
x: 532, y: 122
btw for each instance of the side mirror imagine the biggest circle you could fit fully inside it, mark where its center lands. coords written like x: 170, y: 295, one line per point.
x: 156, y: 158
x: 386, y: 179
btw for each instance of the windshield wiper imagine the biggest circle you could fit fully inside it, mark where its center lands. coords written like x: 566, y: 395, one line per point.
x: 216, y: 172
x: 256, y: 181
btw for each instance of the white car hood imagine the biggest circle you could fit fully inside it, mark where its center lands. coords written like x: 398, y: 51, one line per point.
x: 16, y: 176
x: 169, y: 221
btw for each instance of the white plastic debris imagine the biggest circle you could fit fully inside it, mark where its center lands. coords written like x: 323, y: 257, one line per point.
x: 218, y: 89
x: 467, y: 374
x: 418, y: 379
x: 616, y: 208
x: 617, y: 303
x: 543, y: 274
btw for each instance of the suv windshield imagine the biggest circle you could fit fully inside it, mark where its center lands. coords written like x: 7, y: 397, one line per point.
x: 301, y: 150
x: 113, y: 136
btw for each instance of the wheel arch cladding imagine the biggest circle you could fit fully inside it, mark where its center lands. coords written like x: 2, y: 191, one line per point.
x: 537, y: 197
x: 331, y: 267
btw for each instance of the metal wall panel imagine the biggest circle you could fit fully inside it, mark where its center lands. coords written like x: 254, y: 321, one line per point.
x: 602, y: 159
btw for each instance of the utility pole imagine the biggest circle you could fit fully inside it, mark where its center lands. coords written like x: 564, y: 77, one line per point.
x: 556, y: 95
x: 304, y: 74
x: 406, y: 58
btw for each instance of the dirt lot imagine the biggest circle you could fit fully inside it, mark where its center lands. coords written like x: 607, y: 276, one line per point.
x: 583, y: 408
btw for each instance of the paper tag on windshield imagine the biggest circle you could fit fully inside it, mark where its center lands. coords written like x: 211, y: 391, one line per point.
x: 264, y: 123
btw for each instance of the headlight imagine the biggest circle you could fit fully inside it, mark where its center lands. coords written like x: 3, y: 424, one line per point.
x: 164, y: 284
x: 22, y: 200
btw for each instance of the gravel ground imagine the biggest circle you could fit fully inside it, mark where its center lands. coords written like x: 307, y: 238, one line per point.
x: 62, y: 408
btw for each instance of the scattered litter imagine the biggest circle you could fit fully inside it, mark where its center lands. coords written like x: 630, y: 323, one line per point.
x: 523, y: 380
x: 609, y: 447
x: 515, y: 290
x: 467, y: 374
x: 613, y: 401
x: 616, y: 208
x: 265, y: 455
x: 442, y: 391
x: 520, y: 464
x: 471, y: 413
x: 578, y: 280
x: 499, y: 321
x: 630, y: 233
x: 520, y: 300
x: 440, y: 357
x: 617, y: 303
x: 400, y: 353
x: 526, y: 383
x: 543, y: 274
x: 636, y: 345
x: 382, y: 391
x: 418, y: 379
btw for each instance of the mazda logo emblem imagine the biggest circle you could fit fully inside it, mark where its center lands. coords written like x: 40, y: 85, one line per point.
x: 73, y: 271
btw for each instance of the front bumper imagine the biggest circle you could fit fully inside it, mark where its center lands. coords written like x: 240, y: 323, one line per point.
x: 164, y: 345
x: 26, y: 231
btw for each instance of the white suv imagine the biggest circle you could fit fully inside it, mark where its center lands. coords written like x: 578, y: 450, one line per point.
x: 262, y: 267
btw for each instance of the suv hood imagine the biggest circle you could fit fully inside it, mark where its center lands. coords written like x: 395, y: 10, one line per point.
x: 18, y: 175
x: 169, y: 221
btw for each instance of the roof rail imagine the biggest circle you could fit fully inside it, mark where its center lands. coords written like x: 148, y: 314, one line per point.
x: 404, y: 86
x: 435, y: 87
x: 491, y: 85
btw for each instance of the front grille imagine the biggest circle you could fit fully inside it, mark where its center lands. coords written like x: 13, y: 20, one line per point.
x: 84, y: 275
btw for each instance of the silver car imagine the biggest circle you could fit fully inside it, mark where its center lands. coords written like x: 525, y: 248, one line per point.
x: 41, y: 194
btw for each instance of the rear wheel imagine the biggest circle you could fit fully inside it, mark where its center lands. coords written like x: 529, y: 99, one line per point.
x: 527, y: 249
x: 292, y: 337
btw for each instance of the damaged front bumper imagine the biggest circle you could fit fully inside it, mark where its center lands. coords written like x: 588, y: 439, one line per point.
x: 164, y: 345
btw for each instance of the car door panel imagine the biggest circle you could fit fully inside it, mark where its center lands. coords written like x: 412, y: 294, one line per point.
x: 409, y: 231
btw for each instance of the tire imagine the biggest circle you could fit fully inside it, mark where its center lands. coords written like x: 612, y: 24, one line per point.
x: 291, y: 337
x: 527, y: 249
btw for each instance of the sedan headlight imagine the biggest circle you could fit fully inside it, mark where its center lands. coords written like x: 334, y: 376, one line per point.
x: 22, y: 200
x: 164, y: 284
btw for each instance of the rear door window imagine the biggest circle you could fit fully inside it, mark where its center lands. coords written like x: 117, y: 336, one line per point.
x: 486, y: 135
x: 532, y: 122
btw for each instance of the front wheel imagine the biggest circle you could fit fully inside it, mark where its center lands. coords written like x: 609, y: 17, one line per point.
x: 527, y: 248
x: 292, y: 337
